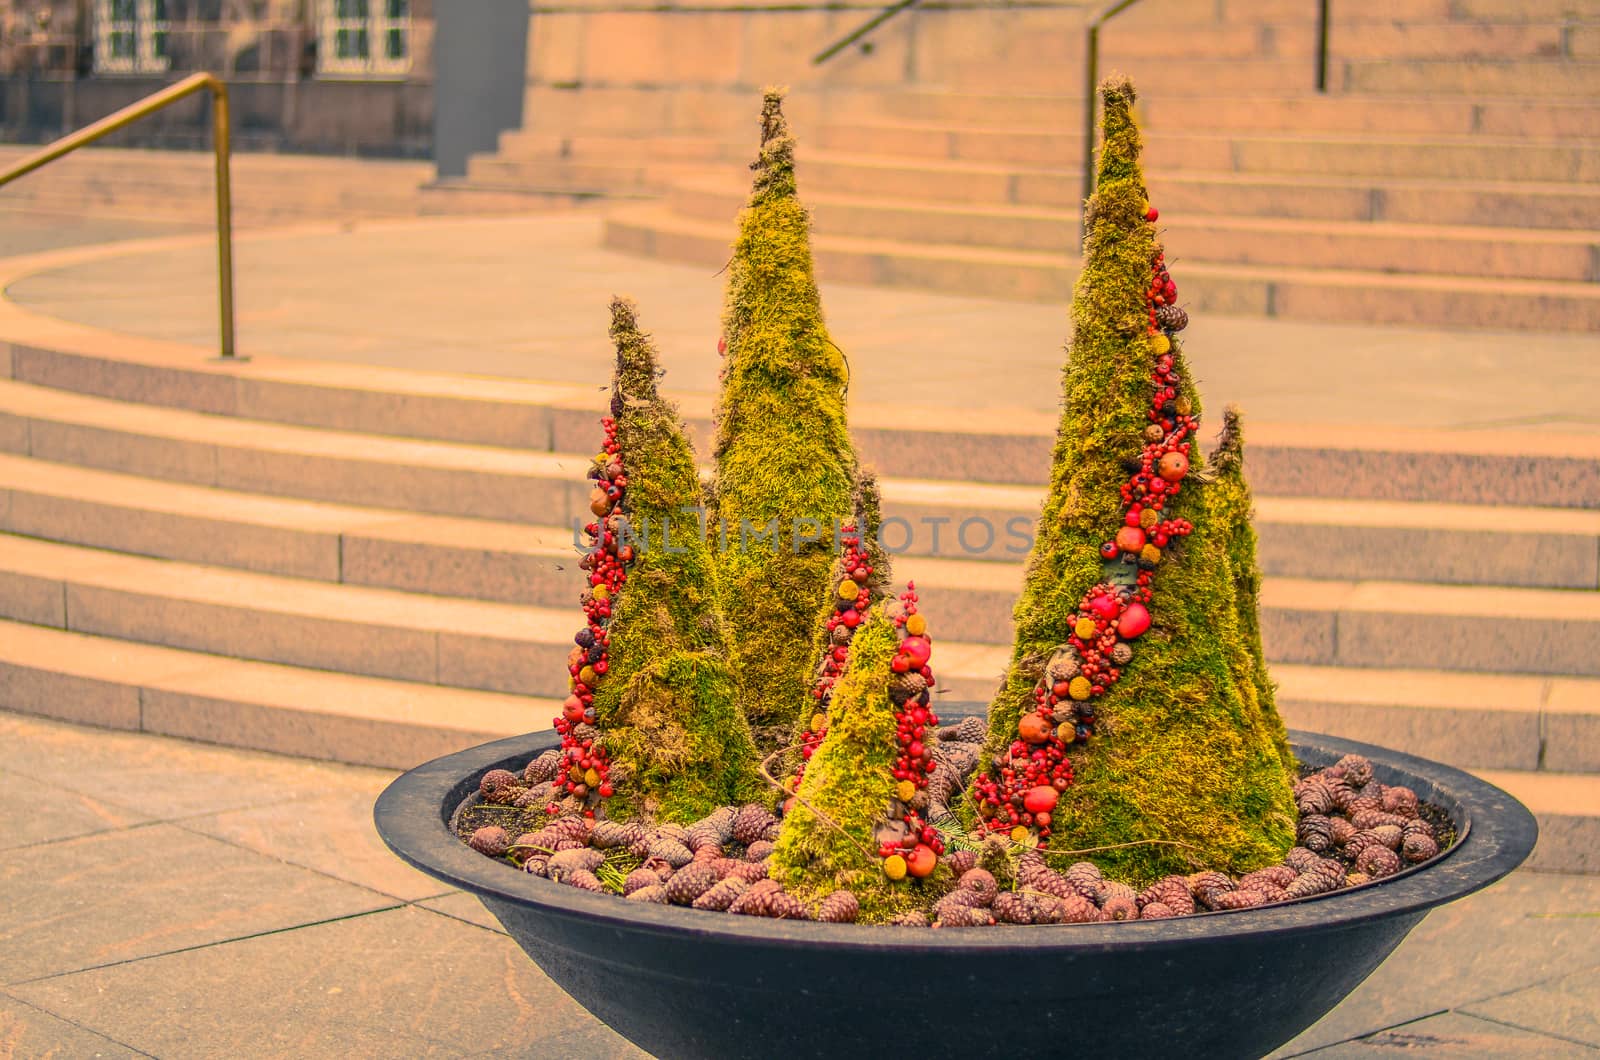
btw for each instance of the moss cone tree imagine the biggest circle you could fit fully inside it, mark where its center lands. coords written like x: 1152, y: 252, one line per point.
x: 784, y: 463
x: 1136, y: 657
x: 667, y: 705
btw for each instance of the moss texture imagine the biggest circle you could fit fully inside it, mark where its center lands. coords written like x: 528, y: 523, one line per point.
x: 849, y: 782
x: 1182, y: 753
x: 668, y: 704
x: 782, y: 449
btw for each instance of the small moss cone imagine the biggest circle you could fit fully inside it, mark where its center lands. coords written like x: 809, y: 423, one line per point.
x: 784, y: 463
x: 1186, y: 759
x: 827, y: 840
x: 668, y: 705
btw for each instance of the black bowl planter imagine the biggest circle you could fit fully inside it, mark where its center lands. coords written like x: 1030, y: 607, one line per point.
x: 685, y: 983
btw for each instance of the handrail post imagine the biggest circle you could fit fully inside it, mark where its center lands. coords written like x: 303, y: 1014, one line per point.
x: 222, y: 145
x: 1091, y: 88
x: 1322, y: 45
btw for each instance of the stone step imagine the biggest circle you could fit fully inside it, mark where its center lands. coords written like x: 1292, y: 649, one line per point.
x: 1367, y: 39
x: 311, y: 713
x: 1003, y: 446
x: 1378, y: 246
x: 1425, y: 116
x: 1425, y: 300
x: 268, y: 618
x: 1493, y: 78
x: 1568, y: 810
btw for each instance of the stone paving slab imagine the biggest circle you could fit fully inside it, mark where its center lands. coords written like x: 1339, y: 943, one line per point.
x: 1568, y: 1007
x: 401, y: 983
x: 35, y: 814
x: 526, y: 297
x: 1453, y: 1036
x: 27, y: 1032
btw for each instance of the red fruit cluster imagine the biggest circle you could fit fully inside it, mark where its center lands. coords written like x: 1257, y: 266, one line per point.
x: 914, y: 718
x: 1162, y: 291
x: 852, y: 596
x: 586, y: 769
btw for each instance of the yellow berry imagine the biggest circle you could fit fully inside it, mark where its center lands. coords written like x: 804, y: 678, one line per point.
x: 894, y: 867
x: 1184, y: 405
x: 1066, y: 732
x: 1150, y: 554
x: 1085, y: 629
x: 1148, y: 518
x: 819, y: 721
x: 848, y: 590
x: 591, y: 778
x: 1079, y: 687
x: 916, y: 625
x: 1019, y: 834
x: 587, y: 676
x: 905, y: 790
x: 1160, y: 344
x: 601, y: 592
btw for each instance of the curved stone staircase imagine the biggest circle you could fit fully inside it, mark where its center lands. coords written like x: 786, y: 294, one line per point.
x: 376, y: 565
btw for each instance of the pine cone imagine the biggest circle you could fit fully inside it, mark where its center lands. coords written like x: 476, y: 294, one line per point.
x: 1363, y: 804
x: 572, y: 827
x: 1300, y: 859
x: 1416, y: 826
x: 1389, y: 835
x: 971, y: 899
x: 1171, y: 892
x: 981, y: 881
x: 536, y: 865
x: 491, y: 841
x: 967, y: 730
x: 840, y: 907
x: 1112, y: 890
x: 965, y: 916
x: 1207, y: 886
x: 1012, y: 908
x: 606, y: 835
x: 1237, y: 900
x: 583, y: 881
x: 1341, y: 830
x: 703, y: 837
x: 1085, y: 878
x: 1378, y: 862
x: 638, y: 880
x: 567, y: 844
x: 521, y: 848
x: 707, y: 856
x: 1120, y: 907
x: 649, y: 895
x: 661, y: 867
x: 1077, y: 909
x: 498, y: 785
x: 1400, y: 801
x: 719, y: 821
x: 722, y: 895
x: 1368, y: 819
x: 913, y: 918
x: 691, y: 883
x: 1315, y: 833
x: 1314, y: 795
x: 543, y: 768
x: 1326, y: 875
x: 1359, y: 842
x: 1278, y: 876
x: 1343, y: 796
x: 962, y: 862
x: 751, y: 823
x: 757, y: 900
x: 1356, y: 769
x: 1418, y: 847
x: 906, y: 686
x: 774, y: 827
x: 1172, y: 317
x: 566, y: 862
x: 671, y: 851
x: 760, y: 850
x: 749, y: 871
x: 676, y: 832
x: 1156, y: 911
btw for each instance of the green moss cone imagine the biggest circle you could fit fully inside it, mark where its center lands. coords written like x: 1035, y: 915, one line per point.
x: 1184, y: 753
x: 668, y: 705
x: 827, y: 838
x: 783, y: 455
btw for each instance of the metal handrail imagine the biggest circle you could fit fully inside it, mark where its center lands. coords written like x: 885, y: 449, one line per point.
x: 143, y: 108
x: 1322, y: 45
x: 1091, y: 91
x: 861, y: 31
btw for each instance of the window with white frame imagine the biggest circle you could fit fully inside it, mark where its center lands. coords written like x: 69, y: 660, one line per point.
x: 130, y: 36
x: 365, y: 37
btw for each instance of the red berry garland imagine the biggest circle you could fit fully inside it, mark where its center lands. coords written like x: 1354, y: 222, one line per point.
x: 852, y: 597
x: 915, y: 846
x: 586, y: 768
x: 1114, y: 612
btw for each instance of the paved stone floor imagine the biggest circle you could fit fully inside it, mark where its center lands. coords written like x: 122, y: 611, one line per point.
x: 172, y: 899
x: 526, y: 297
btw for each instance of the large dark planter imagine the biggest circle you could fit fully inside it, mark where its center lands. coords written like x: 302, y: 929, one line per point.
x: 684, y: 983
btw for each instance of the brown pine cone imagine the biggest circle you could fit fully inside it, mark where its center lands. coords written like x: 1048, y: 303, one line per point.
x: 1378, y: 862
x: 543, y: 768
x: 967, y: 730
x: 1272, y: 876
x: 691, y: 883
x: 566, y: 862
x: 1110, y: 889
x: 719, y: 821
x: 906, y: 686
x: 536, y: 865
x: 1076, y: 909
x: 1314, y: 795
x: 1300, y: 859
x: 1030, y: 860
x: 1357, y: 771
x: 1400, y: 801
x: 961, y: 861
x: 775, y: 827
x: 1051, y: 883
x: 781, y: 905
x: 1418, y: 847
x: 722, y: 895
x: 707, y: 856
x: 1343, y: 796
x: 1237, y: 900
x: 672, y: 831
x: 956, y: 898
x: 534, y: 798
x: 702, y: 837
x: 491, y: 841
x: 724, y: 866
x: 754, y: 900
x: 649, y: 895
x: 1270, y: 893
x: 583, y: 881
x: 965, y: 916
x: 1171, y: 892
x: 1315, y: 832
x: 750, y: 824
x: 571, y: 827
x: 1373, y: 818
x: 1171, y: 317
x: 1012, y: 908
x: 1389, y: 835
x: 1156, y: 911
x: 1085, y: 878
x: 606, y: 835
x: 913, y: 918
x: 1363, y: 804
x: 671, y: 851
x: 567, y: 844
x: 1341, y: 830
x: 499, y: 785
x: 661, y: 867
x: 1120, y: 907
x: 1416, y: 826
x: 1359, y: 842
x: 749, y: 871
x: 638, y: 880
x: 1206, y: 886
x: 840, y: 907
x: 760, y: 850
x: 1326, y: 875
x: 981, y: 881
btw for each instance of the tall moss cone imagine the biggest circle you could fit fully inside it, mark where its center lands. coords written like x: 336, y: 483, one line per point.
x: 667, y: 705
x: 784, y: 464
x: 827, y: 841
x: 1185, y: 761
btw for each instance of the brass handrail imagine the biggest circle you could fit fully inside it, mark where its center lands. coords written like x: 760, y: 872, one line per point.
x: 143, y: 108
x: 862, y: 30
